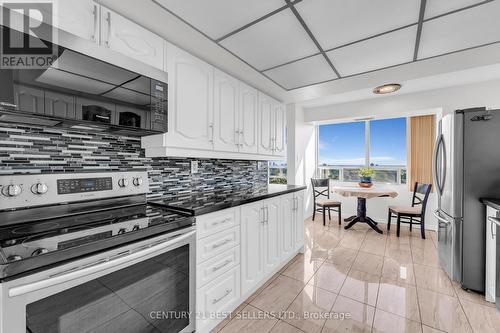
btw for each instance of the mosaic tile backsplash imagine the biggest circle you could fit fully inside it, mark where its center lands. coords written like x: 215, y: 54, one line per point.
x: 48, y: 150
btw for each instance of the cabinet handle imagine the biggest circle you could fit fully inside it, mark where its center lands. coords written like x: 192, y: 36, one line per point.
x: 267, y: 214
x: 94, y: 12
x: 224, y: 264
x: 217, y: 300
x: 221, y: 243
x: 108, y: 19
x: 211, y: 134
x: 221, y: 222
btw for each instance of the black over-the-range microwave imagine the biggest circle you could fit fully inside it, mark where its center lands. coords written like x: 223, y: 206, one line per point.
x: 83, y: 93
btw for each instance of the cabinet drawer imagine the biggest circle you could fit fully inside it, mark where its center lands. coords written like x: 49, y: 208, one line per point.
x: 210, y: 224
x: 220, y: 294
x: 213, y: 245
x: 210, y: 269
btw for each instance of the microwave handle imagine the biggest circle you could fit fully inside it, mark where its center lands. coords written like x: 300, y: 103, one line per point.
x: 99, y: 266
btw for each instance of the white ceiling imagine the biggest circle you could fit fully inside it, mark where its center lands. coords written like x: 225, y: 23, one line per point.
x: 305, y: 42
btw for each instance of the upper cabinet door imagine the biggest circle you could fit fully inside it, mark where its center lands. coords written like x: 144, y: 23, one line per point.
x: 78, y: 17
x: 266, y: 121
x: 190, y: 108
x: 248, y: 119
x: 124, y: 36
x: 279, y: 130
x: 226, y: 132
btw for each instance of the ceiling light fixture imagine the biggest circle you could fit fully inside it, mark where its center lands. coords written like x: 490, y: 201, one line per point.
x: 387, y: 88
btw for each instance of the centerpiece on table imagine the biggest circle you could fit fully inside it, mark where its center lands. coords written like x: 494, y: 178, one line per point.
x: 365, y: 175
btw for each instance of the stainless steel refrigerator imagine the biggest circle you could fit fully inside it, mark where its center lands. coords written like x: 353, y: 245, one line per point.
x: 466, y: 168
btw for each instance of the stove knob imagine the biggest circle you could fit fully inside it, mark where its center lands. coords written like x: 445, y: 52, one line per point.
x: 11, y: 190
x: 14, y: 257
x: 39, y: 188
x: 123, y: 182
x: 136, y: 227
x: 39, y: 251
x: 137, y: 181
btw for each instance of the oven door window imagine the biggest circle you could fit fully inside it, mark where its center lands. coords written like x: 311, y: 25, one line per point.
x: 151, y: 296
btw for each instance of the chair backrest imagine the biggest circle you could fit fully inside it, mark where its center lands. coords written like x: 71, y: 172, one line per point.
x: 424, y: 190
x: 321, y: 187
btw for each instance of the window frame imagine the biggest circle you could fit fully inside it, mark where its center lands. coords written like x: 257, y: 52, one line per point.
x: 367, y: 149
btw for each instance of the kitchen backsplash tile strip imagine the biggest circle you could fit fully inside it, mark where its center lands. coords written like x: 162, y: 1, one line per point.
x: 48, y: 150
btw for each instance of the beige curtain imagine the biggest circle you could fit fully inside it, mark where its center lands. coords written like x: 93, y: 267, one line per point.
x: 422, y: 138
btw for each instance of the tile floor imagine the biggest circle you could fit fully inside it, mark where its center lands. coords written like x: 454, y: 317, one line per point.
x: 360, y: 281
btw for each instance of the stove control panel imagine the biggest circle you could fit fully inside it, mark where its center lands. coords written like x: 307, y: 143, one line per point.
x: 67, y: 186
x: 30, y: 190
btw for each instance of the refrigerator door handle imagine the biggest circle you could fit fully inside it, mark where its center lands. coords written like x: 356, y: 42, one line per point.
x: 437, y: 179
x: 445, y: 164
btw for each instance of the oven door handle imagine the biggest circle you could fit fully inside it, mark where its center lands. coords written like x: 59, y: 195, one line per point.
x: 99, y: 266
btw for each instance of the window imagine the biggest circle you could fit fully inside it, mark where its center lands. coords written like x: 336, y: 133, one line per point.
x: 379, y: 144
x: 277, y: 172
x: 341, y: 148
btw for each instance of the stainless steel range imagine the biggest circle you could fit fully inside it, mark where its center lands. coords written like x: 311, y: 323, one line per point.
x: 87, y: 253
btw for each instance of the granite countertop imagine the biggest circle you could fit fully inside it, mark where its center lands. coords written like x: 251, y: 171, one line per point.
x: 199, y: 203
x: 492, y: 202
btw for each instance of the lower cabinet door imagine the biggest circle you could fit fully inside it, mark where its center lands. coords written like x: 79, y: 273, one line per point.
x: 287, y: 226
x: 272, y: 249
x: 217, y: 297
x: 299, y: 219
x: 252, y: 255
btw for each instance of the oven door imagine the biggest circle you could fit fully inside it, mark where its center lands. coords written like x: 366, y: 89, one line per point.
x: 147, y: 286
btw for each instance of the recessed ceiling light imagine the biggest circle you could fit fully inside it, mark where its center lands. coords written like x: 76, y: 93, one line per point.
x: 387, y: 88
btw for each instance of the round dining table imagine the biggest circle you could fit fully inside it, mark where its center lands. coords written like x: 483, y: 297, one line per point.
x: 363, y: 194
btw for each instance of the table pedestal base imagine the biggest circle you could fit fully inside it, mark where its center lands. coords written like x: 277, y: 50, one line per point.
x: 361, y: 217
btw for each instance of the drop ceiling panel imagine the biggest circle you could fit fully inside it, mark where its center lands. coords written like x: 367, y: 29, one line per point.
x: 302, y: 73
x: 473, y: 27
x: 217, y: 18
x: 375, y: 53
x: 272, y: 42
x: 438, y: 7
x: 335, y: 23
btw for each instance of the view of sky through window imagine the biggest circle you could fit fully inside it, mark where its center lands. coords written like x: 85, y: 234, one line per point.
x: 344, y: 144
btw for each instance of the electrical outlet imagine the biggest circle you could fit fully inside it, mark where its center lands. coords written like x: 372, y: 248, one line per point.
x: 194, y: 166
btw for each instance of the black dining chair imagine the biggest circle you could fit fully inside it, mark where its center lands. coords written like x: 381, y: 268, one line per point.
x: 414, y: 214
x: 321, y: 189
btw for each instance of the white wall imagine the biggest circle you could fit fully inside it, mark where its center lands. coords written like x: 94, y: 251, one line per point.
x: 448, y: 99
x: 301, y: 151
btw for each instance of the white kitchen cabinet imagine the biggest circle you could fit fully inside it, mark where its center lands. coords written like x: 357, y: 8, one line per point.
x: 266, y: 124
x: 252, y: 246
x: 491, y: 242
x: 271, y: 234
x: 292, y: 223
x: 130, y: 39
x: 78, y: 17
x: 279, y: 130
x: 226, y: 112
x: 287, y: 226
x: 248, y: 119
x: 298, y: 220
x: 272, y: 124
x: 190, y: 112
